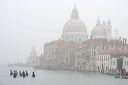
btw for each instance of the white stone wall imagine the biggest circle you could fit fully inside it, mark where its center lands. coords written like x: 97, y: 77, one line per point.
x: 103, y: 63
x: 125, y: 63
x: 113, y: 63
x: 108, y: 63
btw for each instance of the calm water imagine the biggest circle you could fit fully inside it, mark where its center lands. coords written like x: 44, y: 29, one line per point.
x: 46, y: 77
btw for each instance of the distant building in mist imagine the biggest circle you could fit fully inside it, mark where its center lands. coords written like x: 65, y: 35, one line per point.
x: 96, y: 47
x: 33, y: 60
x: 59, y: 54
x: 76, y: 51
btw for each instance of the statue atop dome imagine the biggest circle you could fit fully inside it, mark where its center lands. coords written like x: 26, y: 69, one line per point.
x: 75, y: 14
x: 98, y: 24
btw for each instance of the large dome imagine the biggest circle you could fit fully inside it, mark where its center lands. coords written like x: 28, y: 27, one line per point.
x: 74, y: 25
x: 74, y: 29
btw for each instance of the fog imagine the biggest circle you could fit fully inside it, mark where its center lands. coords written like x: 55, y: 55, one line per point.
x: 28, y: 23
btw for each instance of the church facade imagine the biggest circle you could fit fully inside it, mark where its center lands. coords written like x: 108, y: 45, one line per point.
x: 76, y: 50
x: 33, y: 60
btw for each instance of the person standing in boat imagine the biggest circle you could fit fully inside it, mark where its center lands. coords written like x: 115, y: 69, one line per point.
x: 11, y: 73
x: 15, y: 74
x: 33, y: 74
x: 23, y: 74
x: 20, y: 74
x: 26, y: 73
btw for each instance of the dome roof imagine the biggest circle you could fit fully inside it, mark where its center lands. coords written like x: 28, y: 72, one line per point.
x: 97, y: 31
x: 74, y: 24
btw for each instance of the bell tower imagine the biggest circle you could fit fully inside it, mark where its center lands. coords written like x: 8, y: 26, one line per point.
x: 108, y: 30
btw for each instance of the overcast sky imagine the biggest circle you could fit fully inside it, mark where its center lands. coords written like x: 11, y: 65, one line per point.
x: 28, y: 23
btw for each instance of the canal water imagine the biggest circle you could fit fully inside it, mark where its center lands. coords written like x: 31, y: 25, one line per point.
x: 50, y: 77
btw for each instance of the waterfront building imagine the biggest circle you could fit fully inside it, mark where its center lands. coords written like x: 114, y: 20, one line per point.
x: 76, y: 52
x: 107, y: 58
x: 99, y: 46
x: 60, y: 54
x: 33, y: 60
x: 63, y: 54
x: 82, y: 61
x: 109, y: 63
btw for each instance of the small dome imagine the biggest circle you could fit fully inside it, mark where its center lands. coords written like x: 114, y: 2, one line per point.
x: 74, y: 25
x: 97, y: 31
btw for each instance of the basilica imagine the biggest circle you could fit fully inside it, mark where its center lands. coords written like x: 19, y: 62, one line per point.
x: 76, y: 50
x: 75, y: 29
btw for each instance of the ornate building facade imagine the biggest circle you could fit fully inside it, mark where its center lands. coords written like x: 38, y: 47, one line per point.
x: 34, y: 60
x: 75, y: 51
x: 96, y: 47
x: 60, y: 54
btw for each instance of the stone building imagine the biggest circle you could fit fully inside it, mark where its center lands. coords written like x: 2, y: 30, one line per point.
x: 109, y: 63
x: 63, y: 54
x: 76, y: 52
x: 60, y: 54
x: 94, y: 47
x: 34, y: 60
x: 108, y: 55
x: 81, y: 58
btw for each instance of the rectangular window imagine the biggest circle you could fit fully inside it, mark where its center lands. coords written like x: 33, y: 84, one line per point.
x: 94, y: 53
x: 107, y: 47
x: 113, y: 62
x: 103, y: 47
x: 125, y: 63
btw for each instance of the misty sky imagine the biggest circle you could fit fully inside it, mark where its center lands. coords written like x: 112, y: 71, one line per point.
x: 28, y: 23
